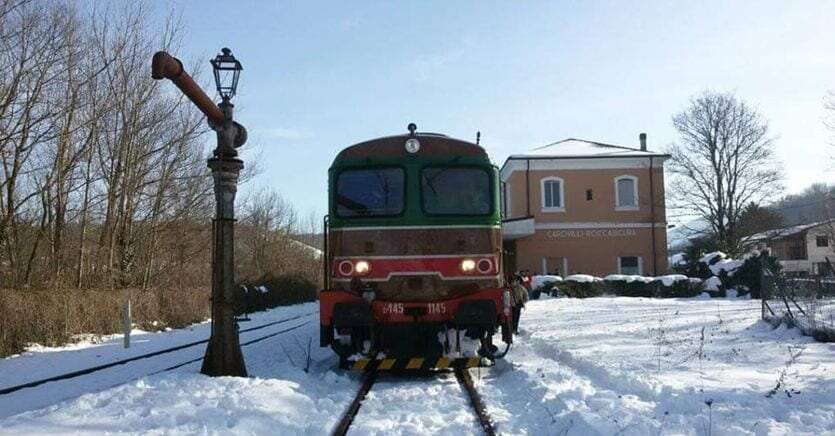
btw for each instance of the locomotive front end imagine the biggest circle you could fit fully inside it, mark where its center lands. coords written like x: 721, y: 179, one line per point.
x: 413, y: 255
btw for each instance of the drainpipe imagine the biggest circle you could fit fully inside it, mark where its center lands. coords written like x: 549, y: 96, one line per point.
x: 651, y: 208
x: 528, y: 186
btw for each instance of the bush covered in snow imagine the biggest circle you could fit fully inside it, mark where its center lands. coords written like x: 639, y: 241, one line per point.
x: 581, y: 286
x: 676, y: 286
x: 670, y: 286
x: 742, y: 275
x: 628, y: 286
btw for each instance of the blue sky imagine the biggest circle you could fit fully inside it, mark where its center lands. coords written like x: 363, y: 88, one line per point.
x: 320, y: 76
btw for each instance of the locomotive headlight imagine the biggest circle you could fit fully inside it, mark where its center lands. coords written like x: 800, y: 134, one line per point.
x: 467, y: 266
x: 412, y: 145
x: 362, y: 268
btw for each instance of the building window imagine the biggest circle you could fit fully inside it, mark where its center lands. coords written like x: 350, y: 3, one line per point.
x: 589, y: 194
x: 629, y: 265
x: 626, y: 193
x: 796, y: 251
x: 553, y: 194
x: 822, y: 241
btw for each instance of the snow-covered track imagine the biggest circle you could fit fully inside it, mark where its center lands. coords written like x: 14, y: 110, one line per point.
x: 462, y: 375
x: 85, y: 371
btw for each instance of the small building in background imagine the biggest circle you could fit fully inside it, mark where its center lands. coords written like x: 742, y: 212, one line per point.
x: 802, y: 250
x: 585, y: 207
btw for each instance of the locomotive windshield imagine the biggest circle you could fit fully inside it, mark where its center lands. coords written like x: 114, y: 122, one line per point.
x: 369, y: 192
x: 455, y: 191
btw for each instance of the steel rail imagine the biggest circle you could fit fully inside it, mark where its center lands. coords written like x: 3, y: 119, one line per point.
x: 368, y: 380
x: 171, y: 368
x: 464, y: 378
x: 93, y: 369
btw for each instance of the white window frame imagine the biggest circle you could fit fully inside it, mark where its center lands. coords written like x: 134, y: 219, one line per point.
x: 640, y: 264
x: 542, y: 182
x: 634, y: 191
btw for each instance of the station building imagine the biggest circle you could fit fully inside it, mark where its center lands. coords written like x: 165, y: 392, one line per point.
x: 585, y: 207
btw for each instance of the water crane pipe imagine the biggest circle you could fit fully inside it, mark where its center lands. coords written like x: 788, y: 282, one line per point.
x: 165, y: 66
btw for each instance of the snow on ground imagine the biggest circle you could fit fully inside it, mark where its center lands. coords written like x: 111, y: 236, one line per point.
x: 43, y: 363
x: 594, y: 366
x: 639, y: 366
x: 416, y: 406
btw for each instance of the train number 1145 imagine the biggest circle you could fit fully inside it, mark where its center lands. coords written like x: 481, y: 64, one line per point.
x: 437, y: 308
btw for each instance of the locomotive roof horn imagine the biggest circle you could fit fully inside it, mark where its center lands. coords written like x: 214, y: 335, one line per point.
x: 412, y: 144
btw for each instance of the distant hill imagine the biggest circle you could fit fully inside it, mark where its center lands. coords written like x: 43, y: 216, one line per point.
x: 816, y: 203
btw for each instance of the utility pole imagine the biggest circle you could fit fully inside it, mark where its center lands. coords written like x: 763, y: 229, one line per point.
x: 223, y: 354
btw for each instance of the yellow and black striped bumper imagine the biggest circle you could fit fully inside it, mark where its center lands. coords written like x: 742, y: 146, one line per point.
x: 415, y: 363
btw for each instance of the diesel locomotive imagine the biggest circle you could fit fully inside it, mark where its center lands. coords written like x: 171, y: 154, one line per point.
x: 413, y: 246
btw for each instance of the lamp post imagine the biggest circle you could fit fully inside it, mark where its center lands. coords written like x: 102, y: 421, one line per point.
x: 223, y: 354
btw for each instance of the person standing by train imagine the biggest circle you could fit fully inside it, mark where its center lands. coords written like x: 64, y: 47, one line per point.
x: 520, y: 297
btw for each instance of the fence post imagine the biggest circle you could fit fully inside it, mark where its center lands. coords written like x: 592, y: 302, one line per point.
x: 763, y: 290
x: 126, y: 321
x: 813, y: 305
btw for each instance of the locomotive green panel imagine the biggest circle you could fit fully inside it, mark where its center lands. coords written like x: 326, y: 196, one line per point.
x: 413, y: 214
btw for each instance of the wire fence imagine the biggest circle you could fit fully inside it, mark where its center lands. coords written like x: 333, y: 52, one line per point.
x: 805, y: 303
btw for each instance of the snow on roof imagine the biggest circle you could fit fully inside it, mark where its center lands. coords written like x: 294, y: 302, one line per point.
x: 783, y: 232
x: 309, y: 248
x: 573, y: 147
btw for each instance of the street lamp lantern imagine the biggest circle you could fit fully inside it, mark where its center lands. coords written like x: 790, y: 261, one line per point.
x: 227, y: 69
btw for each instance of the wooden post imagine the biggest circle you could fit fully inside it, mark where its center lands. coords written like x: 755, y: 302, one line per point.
x: 126, y: 321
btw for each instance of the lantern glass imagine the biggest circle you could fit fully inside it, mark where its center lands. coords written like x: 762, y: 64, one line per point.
x: 226, y: 69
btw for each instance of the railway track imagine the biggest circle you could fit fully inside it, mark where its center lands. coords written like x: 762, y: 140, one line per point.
x: 90, y: 370
x: 463, y: 377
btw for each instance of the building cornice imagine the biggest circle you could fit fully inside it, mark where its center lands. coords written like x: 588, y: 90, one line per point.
x: 556, y: 163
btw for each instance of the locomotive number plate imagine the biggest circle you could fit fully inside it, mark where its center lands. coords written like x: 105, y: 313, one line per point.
x: 437, y: 308
x: 393, y: 308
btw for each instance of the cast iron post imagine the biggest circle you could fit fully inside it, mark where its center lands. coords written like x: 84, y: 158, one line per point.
x: 223, y: 354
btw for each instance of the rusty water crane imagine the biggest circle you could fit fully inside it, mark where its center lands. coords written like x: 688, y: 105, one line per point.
x: 223, y: 355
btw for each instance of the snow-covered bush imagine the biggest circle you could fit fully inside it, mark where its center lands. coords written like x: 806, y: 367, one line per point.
x: 628, y: 286
x: 676, y: 286
x: 742, y: 275
x: 581, y: 286
x: 669, y: 286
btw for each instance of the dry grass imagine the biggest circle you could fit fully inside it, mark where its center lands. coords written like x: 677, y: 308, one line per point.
x: 54, y: 317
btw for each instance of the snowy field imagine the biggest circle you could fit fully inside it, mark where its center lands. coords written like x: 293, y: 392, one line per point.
x: 595, y: 366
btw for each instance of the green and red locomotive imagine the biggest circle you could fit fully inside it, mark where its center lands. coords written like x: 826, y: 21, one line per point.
x: 413, y: 255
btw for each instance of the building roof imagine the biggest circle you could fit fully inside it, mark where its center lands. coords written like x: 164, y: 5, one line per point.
x: 783, y: 232
x: 581, y: 148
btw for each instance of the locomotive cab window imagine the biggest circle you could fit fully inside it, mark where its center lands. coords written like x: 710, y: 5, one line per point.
x: 370, y: 192
x: 455, y: 191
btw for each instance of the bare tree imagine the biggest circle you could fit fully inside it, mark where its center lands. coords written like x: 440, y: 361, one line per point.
x: 723, y: 160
